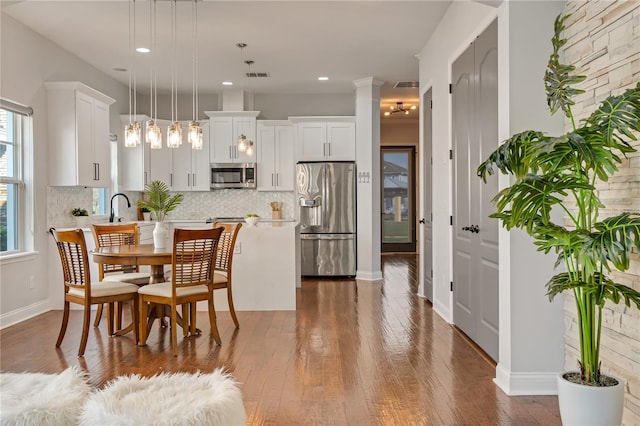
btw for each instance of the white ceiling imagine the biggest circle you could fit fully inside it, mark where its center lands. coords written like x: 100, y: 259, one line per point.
x: 294, y: 41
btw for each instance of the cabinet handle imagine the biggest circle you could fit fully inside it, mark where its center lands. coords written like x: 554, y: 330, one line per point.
x: 145, y: 178
x: 328, y: 149
x: 277, y: 179
x: 230, y: 154
x: 188, y: 179
x: 193, y: 180
x: 171, y: 179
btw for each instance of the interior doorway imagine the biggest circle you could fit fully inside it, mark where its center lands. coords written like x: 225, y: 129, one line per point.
x: 398, y: 199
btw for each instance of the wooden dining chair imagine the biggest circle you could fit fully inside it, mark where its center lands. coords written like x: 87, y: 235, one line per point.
x: 194, y: 254
x: 224, y: 260
x: 117, y: 235
x: 79, y: 289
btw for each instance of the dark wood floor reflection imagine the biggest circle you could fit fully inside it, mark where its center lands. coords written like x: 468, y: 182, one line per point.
x: 352, y: 354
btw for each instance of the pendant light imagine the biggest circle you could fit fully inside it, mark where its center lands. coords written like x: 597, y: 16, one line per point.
x: 195, y: 135
x: 132, y: 131
x: 153, y: 134
x: 244, y: 145
x: 174, y: 133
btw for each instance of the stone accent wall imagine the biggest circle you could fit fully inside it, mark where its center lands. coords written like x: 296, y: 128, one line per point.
x: 604, y: 44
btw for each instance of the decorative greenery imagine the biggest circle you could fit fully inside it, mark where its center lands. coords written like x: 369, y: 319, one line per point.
x: 251, y: 215
x: 562, y: 172
x: 160, y: 202
x: 79, y: 212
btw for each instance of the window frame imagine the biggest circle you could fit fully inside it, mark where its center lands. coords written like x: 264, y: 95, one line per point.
x: 23, y: 122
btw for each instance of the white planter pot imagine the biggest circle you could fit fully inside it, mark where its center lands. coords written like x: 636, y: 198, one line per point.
x: 582, y: 405
x: 160, y: 235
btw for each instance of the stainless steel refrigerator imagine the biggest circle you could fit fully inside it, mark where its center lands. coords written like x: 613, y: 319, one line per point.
x: 326, y: 194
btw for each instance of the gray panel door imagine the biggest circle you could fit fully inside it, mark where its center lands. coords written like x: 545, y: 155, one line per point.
x: 427, y: 220
x: 475, y: 236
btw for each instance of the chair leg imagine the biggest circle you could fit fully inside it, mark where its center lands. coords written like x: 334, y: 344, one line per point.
x: 186, y: 321
x: 118, y: 315
x: 134, y: 318
x: 144, y: 313
x: 110, y: 309
x: 231, y: 308
x: 174, y: 332
x: 98, y: 315
x: 63, y: 327
x: 212, y: 321
x: 192, y: 315
x: 86, y: 323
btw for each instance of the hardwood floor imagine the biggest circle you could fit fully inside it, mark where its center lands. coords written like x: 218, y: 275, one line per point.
x: 352, y: 354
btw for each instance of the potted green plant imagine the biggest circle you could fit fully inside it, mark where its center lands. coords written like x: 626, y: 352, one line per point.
x: 561, y: 172
x: 82, y: 216
x: 159, y: 202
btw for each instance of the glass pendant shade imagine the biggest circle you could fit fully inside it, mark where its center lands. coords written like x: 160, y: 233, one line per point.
x: 132, y: 134
x: 249, y: 150
x: 242, y: 143
x: 195, y: 135
x: 174, y: 135
x: 153, y: 135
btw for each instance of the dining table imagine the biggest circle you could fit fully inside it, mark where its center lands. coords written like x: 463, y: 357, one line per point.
x: 141, y: 254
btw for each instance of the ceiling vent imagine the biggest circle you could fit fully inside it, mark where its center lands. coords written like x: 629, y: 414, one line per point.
x: 407, y: 84
x: 257, y: 74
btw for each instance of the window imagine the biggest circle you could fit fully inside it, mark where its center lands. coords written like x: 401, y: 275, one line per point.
x: 99, y: 204
x: 15, y: 124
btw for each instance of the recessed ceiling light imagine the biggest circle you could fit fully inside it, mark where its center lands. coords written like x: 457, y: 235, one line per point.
x: 323, y: 78
x: 227, y: 83
x: 143, y: 50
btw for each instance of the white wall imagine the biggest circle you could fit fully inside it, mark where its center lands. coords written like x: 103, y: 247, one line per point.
x: 28, y: 60
x: 530, y: 327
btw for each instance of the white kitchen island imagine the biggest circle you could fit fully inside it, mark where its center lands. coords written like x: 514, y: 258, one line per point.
x: 266, y: 267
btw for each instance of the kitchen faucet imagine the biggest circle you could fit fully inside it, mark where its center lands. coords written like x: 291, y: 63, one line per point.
x: 111, y: 216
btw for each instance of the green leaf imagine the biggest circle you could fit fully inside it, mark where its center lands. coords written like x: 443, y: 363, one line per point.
x: 612, y: 241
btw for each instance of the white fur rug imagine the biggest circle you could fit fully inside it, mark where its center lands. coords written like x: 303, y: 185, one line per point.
x: 167, y: 399
x: 42, y: 399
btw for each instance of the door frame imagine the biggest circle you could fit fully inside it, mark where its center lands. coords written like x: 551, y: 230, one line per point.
x: 408, y: 247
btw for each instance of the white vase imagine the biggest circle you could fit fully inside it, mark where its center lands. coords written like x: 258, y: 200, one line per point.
x: 160, y: 235
x: 582, y: 405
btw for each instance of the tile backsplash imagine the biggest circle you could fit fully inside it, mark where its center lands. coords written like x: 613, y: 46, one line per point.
x: 196, y: 205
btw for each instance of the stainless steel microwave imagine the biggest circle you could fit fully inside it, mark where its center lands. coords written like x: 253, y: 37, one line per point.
x: 233, y: 175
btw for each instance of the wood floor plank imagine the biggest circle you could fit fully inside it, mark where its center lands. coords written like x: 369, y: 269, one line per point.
x: 353, y: 353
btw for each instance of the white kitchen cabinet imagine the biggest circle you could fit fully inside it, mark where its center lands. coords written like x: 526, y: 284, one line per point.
x: 78, y: 135
x: 191, y: 168
x: 225, y: 130
x: 325, y: 138
x: 276, y: 160
x: 134, y: 162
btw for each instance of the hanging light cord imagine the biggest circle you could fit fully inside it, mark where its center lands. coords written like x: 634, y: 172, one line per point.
x: 194, y: 17
x: 135, y: 89
x: 130, y: 64
x: 174, y: 102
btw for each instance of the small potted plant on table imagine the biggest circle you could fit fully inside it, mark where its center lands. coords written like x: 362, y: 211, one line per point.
x: 81, y: 216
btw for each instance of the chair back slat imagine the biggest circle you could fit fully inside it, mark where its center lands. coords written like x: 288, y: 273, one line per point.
x: 116, y: 235
x: 226, y: 246
x: 194, y: 253
x: 72, y: 248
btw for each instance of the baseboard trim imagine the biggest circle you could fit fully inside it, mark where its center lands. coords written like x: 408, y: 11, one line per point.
x: 19, y: 315
x: 533, y: 383
x: 369, y: 275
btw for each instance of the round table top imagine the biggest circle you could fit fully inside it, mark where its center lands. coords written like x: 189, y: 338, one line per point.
x: 141, y: 254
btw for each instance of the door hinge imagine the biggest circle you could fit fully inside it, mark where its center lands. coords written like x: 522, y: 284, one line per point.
x: 451, y: 220
x: 431, y: 216
x: 451, y: 283
x: 432, y: 273
x: 450, y: 154
x: 450, y: 88
x: 431, y: 104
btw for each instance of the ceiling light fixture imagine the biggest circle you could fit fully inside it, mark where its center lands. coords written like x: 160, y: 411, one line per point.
x: 174, y: 132
x: 244, y: 145
x: 399, y: 107
x: 195, y: 135
x: 132, y: 131
x: 323, y: 78
x: 227, y: 83
x: 153, y: 135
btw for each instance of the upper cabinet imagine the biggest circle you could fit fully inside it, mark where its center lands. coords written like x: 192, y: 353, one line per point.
x: 276, y: 161
x: 78, y: 135
x: 225, y: 130
x: 182, y: 168
x: 191, y: 168
x: 325, y: 138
